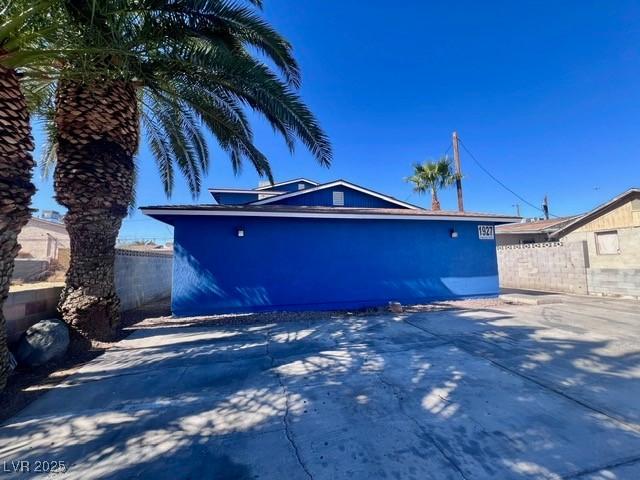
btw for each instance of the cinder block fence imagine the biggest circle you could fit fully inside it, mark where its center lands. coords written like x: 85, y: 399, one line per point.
x: 140, y: 278
x: 550, y: 266
x: 565, y: 268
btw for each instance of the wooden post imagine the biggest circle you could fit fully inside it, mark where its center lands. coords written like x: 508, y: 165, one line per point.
x: 456, y: 159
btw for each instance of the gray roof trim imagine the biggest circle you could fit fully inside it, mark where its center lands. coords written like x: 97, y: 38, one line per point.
x: 324, y: 212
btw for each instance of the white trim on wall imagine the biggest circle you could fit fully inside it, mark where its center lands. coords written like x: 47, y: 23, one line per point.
x: 345, y: 216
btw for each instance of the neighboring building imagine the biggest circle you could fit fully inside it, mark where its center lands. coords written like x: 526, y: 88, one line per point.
x: 611, y: 235
x: 611, y: 231
x: 299, y: 245
x: 595, y: 253
x: 43, y: 239
x: 529, y: 231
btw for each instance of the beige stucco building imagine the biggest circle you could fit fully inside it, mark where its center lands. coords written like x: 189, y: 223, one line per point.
x: 596, y: 253
x: 611, y: 232
x: 43, y: 239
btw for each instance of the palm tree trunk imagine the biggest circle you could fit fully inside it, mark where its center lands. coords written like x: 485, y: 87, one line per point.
x: 97, y: 136
x: 16, y: 189
x: 435, y: 203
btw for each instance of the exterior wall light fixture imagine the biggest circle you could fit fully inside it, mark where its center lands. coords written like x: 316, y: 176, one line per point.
x: 453, y: 233
x: 240, y: 232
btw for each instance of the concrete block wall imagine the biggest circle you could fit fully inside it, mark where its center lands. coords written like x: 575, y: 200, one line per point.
x: 628, y: 257
x: 28, y: 269
x: 28, y: 305
x: 142, y: 277
x: 614, y: 281
x: 553, y: 266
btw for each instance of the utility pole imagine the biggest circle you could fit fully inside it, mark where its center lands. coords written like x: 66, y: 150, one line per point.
x: 545, y: 207
x: 456, y: 160
x: 517, y: 205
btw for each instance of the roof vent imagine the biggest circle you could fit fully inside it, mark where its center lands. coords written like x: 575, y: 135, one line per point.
x: 338, y: 199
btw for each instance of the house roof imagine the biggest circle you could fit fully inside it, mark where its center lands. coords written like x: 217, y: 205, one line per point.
x: 243, y: 190
x: 612, y: 204
x: 50, y: 225
x: 279, y: 184
x: 538, y: 226
x: 252, y: 210
x: 336, y: 183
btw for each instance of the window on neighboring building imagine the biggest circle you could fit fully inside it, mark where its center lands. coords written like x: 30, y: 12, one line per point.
x: 607, y: 243
x: 301, y: 186
x: 338, y: 199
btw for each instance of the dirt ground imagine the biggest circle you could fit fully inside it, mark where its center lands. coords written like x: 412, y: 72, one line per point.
x: 26, y: 385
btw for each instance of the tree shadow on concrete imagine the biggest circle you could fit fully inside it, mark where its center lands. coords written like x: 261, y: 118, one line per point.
x: 490, y: 393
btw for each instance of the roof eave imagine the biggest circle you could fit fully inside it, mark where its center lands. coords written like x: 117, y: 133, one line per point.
x: 156, y: 212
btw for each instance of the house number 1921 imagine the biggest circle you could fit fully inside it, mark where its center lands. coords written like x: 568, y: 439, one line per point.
x: 485, y: 232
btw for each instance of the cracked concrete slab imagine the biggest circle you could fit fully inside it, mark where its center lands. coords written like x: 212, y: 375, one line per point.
x: 534, y: 391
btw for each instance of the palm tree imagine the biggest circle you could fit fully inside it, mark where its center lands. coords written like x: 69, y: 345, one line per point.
x: 18, y: 21
x: 431, y: 177
x: 175, y: 66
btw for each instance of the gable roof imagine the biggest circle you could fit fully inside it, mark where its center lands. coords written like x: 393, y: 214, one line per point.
x: 342, y: 183
x: 50, y: 225
x: 279, y: 184
x: 538, y: 226
x: 612, y: 204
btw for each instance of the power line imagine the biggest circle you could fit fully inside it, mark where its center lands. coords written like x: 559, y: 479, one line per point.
x: 499, y: 182
x: 448, y: 148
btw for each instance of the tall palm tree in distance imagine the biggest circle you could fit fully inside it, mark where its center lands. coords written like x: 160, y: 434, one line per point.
x: 431, y: 177
x: 176, y: 67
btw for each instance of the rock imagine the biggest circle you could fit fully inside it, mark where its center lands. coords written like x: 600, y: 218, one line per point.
x: 43, y: 342
x: 395, y: 307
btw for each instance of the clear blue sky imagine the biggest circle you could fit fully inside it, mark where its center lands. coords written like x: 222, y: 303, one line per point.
x: 545, y: 94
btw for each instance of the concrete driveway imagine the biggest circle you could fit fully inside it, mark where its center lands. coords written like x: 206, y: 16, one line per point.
x: 548, y: 391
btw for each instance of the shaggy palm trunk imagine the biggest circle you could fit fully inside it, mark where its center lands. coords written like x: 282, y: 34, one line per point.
x: 97, y: 135
x: 435, y: 203
x: 16, y: 189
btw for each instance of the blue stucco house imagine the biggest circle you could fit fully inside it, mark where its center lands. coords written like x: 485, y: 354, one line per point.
x: 301, y: 245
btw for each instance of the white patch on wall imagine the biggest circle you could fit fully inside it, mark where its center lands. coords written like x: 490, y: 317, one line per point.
x: 487, y: 285
x: 607, y: 243
x: 486, y: 232
x: 338, y: 199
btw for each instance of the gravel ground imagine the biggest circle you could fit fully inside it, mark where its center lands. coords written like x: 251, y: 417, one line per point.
x: 279, y: 317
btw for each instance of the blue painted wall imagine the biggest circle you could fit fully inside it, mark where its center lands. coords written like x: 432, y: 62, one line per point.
x: 324, y: 198
x: 305, y: 264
